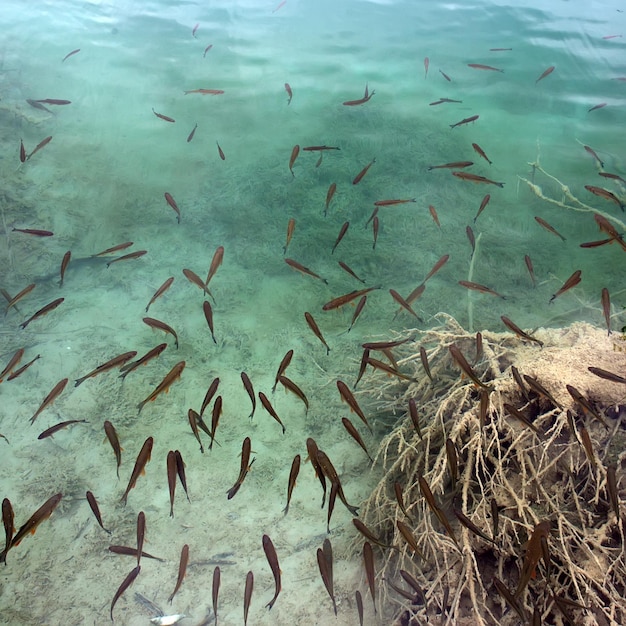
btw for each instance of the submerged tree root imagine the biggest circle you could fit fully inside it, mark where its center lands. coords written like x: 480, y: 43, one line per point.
x: 504, y: 469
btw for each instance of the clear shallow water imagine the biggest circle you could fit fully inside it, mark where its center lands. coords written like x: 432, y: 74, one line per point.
x: 102, y: 178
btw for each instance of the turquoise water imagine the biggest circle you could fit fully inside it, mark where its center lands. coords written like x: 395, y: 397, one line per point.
x: 101, y: 181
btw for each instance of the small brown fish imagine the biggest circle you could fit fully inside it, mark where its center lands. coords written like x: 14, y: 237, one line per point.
x: 64, y: 263
x: 127, y: 551
x: 545, y: 73
x: 472, y: 239
x: 182, y: 569
x: 49, y: 432
x: 70, y: 54
x: 438, y: 265
x: 325, y: 564
x: 36, y: 232
x: 513, y: 412
x: 141, y: 534
x: 216, y: 413
x: 37, y: 105
x: 359, y: 176
x: 293, y: 475
x: 461, y: 361
x: 510, y: 599
x: 434, y: 507
x: 586, y: 405
x: 54, y: 101
x: 43, y: 311
x: 606, y: 308
x: 15, y: 299
x: 340, y: 301
x: 128, y: 257
x: 173, y: 205
x: 532, y: 556
x: 409, y: 537
x: 467, y: 522
x: 8, y: 518
x: 194, y: 419
x: 247, y: 594
x: 433, y: 214
x: 113, y: 438
x: 246, y: 464
x: 193, y: 130
x: 453, y: 461
x: 291, y: 226
x: 363, y: 100
x: 329, y: 196
x: 126, y: 583
x: 572, y: 281
x: 369, y: 535
x: 151, y: 354
x: 110, y: 364
x: 455, y: 165
x: 289, y: 385
x: 140, y: 465
x: 549, y: 228
x: 443, y: 100
x: 519, y: 332
x: 312, y: 449
x: 208, y: 314
x: 50, y: 398
x: 272, y: 559
x: 354, y: 433
x: 587, y: 446
x: 171, y: 478
x: 531, y: 271
x: 357, y: 311
x: 194, y: 279
x: 612, y: 176
x: 304, y: 270
x: 375, y: 226
x: 220, y: 152
x: 165, y: 118
x: 393, y: 202
x: 350, y: 400
x: 368, y: 560
x: 215, y: 591
x: 342, y: 232
x: 397, y: 488
x: 117, y: 248
x: 13, y: 361
x: 482, y: 288
x: 316, y: 330
x: 605, y: 195
x: 159, y: 325
x: 466, y: 120
x: 42, y: 144
x: 404, y: 304
x: 284, y: 364
x: 365, y: 359
x: 480, y: 66
x: 445, y: 76
x: 481, y: 152
x: 607, y: 375
x: 596, y: 107
x: 295, y: 151
x: 474, y: 178
x: 348, y: 269
x: 331, y: 473
x: 289, y: 93
x: 247, y: 383
x: 160, y: 291
x: 483, y: 204
x: 267, y: 405
x: 414, y: 417
x: 593, y: 153
x: 426, y: 64
x: 22, y: 369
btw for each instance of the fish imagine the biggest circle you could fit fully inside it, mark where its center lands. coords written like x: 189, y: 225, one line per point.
x: 393, y: 202
x: 470, y: 236
x: 510, y: 599
x: 455, y: 165
x: 165, y: 118
x: 409, y: 537
x: 247, y: 383
x: 549, y: 228
x: 54, y: 429
x: 110, y: 364
x: 384, y: 345
x: 30, y: 526
x: 443, y: 100
x: 572, y: 281
x: 495, y: 516
x: 43, y: 311
x: 482, y: 288
x: 193, y: 130
x: 304, y: 270
x: 36, y: 232
x: 160, y: 291
x: 329, y: 196
x: 533, y: 555
x: 461, y: 361
x: 357, y: 311
x: 586, y: 405
x: 245, y: 467
x: 331, y: 473
x: 605, y: 226
x: 480, y: 66
x: 426, y: 64
x: 128, y: 257
x: 357, y: 179
x: 596, y: 107
x: 390, y: 370
x: 606, y: 309
x: 42, y: 144
x: 284, y: 364
x: 8, y: 519
x: 69, y: 54
x: 366, y: 97
x: 612, y: 176
x: 545, y: 73
x: 159, y: 325
x: 113, y: 438
x: 54, y: 101
x: 295, y: 151
x: 483, y: 204
x: 13, y: 361
x: 312, y: 449
x: 474, y: 178
x: 369, y: 535
x: 540, y: 390
x: 208, y: 314
x: 592, y: 152
x: 467, y: 522
x: 615, y: 378
x: 117, y: 248
x: 140, y: 464
x: 15, y: 299
x: 171, y: 478
x: 50, y: 398
x: 153, y: 353
x: 372, y: 216
x: 291, y: 226
x: 453, y: 461
x: 397, y: 488
x: 441, y: 516
x: 22, y: 369
x: 499, y: 49
x: 605, y: 194
x: 215, y: 589
x: 141, y: 533
x: 513, y: 412
x: 414, y: 417
x: 433, y: 214
x: 272, y: 559
x: 216, y: 413
x: 403, y: 303
x: 220, y: 152
x: 340, y: 301
x: 348, y: 269
x: 347, y: 397
x: 320, y: 148
x: 195, y: 28
x: 481, y: 152
x: 279, y: 6
x: 365, y: 359
x: 588, y: 446
x: 316, y: 330
x: 39, y: 106
x: 529, y: 267
x: 293, y: 475
x: 519, y: 332
x: 206, y: 92
x: 194, y: 279
x: 368, y: 560
x: 445, y: 76
x: 340, y: 236
x: 267, y: 405
x: 127, y: 551
x: 173, y: 205
x: 126, y: 583
x: 438, y: 265
x: 479, y: 347
x: 289, y: 385
x: 182, y: 569
x: 194, y: 420
x: 289, y: 93
x: 375, y: 225
x: 466, y: 120
x: 64, y: 263
x: 247, y: 594
x: 354, y: 433
x: 325, y: 564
